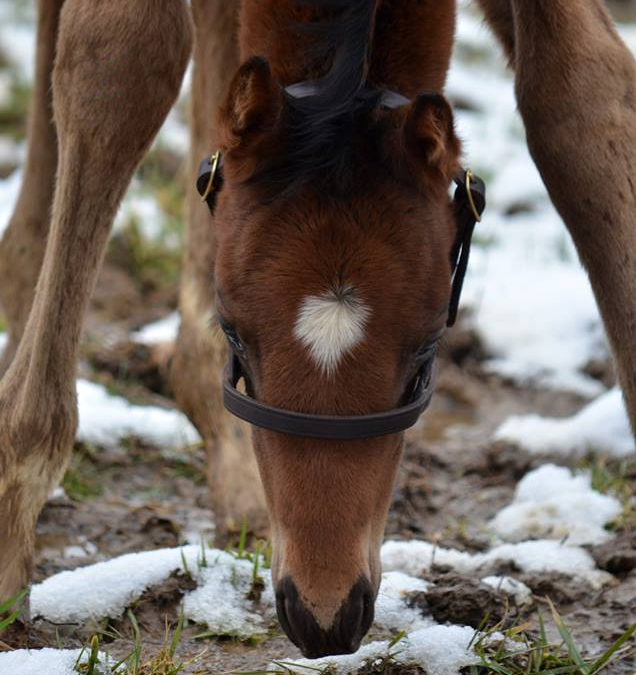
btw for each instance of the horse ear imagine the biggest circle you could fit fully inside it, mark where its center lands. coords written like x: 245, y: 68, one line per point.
x: 430, y: 133
x: 252, y: 105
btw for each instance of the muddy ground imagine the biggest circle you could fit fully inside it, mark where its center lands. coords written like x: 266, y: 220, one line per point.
x: 452, y: 480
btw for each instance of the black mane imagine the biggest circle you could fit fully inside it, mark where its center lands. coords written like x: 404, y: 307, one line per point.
x: 320, y: 127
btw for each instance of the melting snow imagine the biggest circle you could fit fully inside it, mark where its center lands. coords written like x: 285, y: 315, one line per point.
x: 518, y: 590
x: 105, y: 589
x: 551, y: 502
x: 543, y: 555
x: 40, y: 662
x: 220, y: 600
x: 601, y: 426
x: 391, y: 611
x: 105, y: 419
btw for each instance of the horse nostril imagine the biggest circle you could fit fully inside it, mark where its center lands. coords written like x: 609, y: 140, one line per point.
x: 350, y: 624
x: 356, y: 614
x: 282, y: 600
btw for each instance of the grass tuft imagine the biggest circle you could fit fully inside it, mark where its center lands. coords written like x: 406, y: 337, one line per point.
x: 164, y: 662
x: 10, y: 609
x: 517, y: 651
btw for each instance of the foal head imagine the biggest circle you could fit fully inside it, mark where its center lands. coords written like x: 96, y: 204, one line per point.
x: 333, y: 280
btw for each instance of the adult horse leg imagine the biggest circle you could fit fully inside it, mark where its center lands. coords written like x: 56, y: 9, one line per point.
x: 116, y: 76
x: 22, y: 247
x: 576, y: 89
x: 200, y: 351
x: 499, y: 16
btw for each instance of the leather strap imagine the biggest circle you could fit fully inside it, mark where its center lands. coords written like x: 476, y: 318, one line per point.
x: 326, y: 427
x: 470, y: 202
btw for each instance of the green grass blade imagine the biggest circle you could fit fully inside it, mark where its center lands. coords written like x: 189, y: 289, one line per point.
x: 572, y: 669
x: 288, y: 666
x: 184, y: 562
x: 8, y: 604
x: 17, y: 599
x: 242, y: 539
x: 604, y: 660
x: 93, y: 658
x: 176, y: 637
x: 575, y: 655
x: 136, y: 653
x: 10, y: 619
x: 400, y: 636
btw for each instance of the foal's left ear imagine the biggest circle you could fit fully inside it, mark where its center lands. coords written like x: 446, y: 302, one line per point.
x: 430, y: 134
x: 252, y: 106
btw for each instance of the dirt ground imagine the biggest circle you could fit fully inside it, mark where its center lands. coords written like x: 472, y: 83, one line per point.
x: 452, y: 480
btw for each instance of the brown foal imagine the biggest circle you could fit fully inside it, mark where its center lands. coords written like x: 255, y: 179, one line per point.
x: 329, y: 262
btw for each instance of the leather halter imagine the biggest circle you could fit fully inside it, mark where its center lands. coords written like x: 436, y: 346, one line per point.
x: 469, y: 202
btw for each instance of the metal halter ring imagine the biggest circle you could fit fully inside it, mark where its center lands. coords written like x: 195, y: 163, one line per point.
x: 471, y: 199
x: 214, y: 163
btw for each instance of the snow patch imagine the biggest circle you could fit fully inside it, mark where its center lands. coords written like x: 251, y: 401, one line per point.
x: 144, y: 209
x: 544, y: 555
x: 106, y: 589
x: 45, y: 661
x: 220, y: 600
x: 551, y: 502
x: 442, y: 650
x: 9, y: 190
x: 601, y: 426
x: 510, y: 586
x: 628, y: 32
x: 391, y: 611
x: 18, y: 42
x: 105, y: 419
x: 11, y: 153
x: 159, y: 332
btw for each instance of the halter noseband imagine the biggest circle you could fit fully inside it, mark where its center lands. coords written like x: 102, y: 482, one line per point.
x: 469, y: 202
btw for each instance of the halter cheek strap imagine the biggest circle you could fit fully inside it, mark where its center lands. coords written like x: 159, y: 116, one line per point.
x: 470, y: 202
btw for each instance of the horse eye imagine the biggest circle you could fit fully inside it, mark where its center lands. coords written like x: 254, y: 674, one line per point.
x: 233, y: 338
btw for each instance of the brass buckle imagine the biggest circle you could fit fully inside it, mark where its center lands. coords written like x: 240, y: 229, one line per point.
x: 471, y: 200
x: 214, y: 161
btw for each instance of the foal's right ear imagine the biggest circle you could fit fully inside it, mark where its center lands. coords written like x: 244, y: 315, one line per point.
x: 251, y: 108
